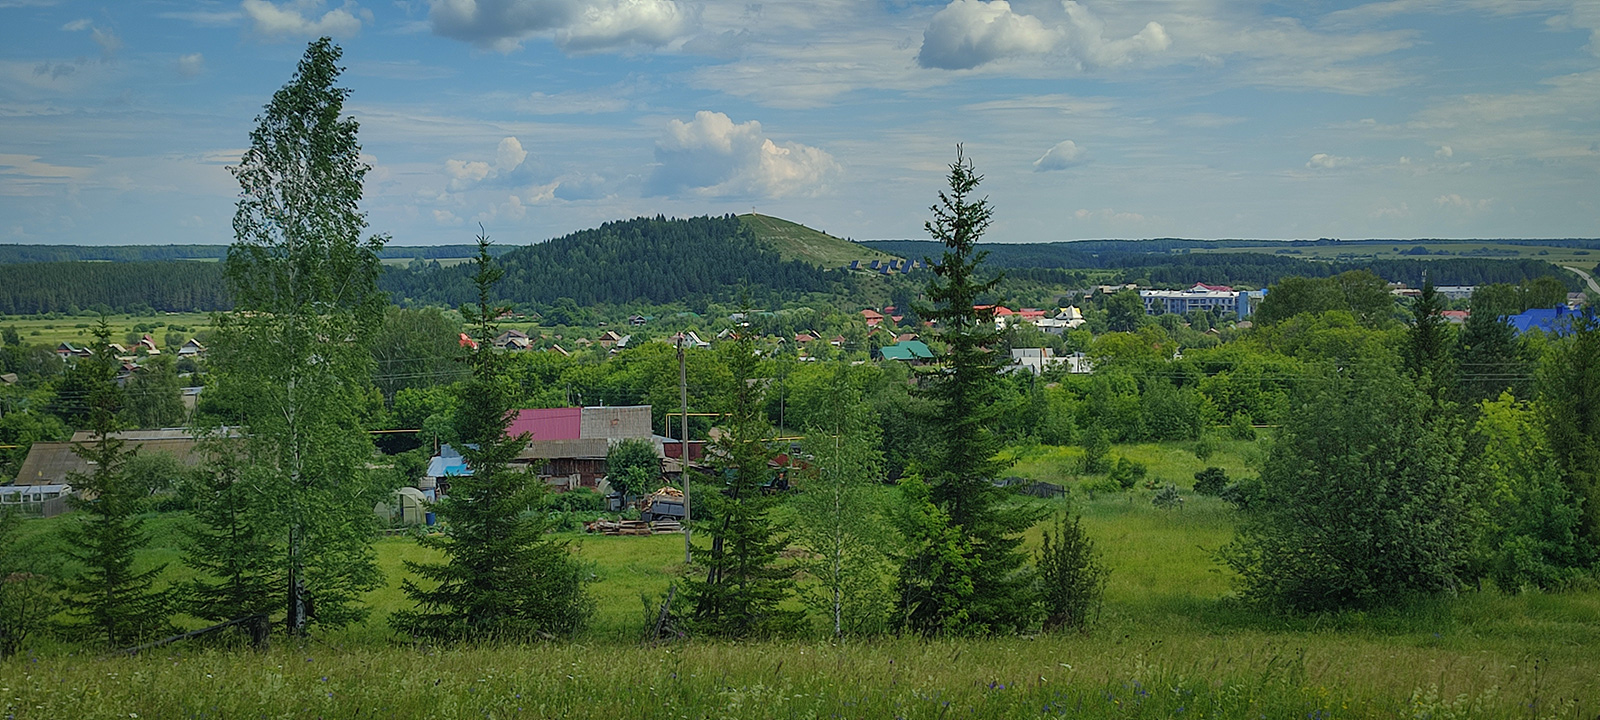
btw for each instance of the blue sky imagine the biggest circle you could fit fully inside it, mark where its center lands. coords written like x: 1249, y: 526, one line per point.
x: 1089, y: 119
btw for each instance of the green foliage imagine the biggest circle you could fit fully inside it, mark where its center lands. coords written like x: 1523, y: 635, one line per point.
x: 1127, y: 473
x: 745, y: 585
x: 1569, y: 403
x: 1361, y: 500
x: 961, y: 462
x: 25, y: 592
x: 1071, y: 575
x: 1361, y: 293
x: 1167, y: 497
x: 576, y: 500
x: 38, y: 288
x: 502, y: 577
x: 1490, y: 358
x: 1096, y: 451
x: 108, y: 601
x: 1210, y: 481
x: 839, y: 518
x: 232, y: 543
x: 1124, y: 311
x: 155, y: 397
x: 1429, y: 350
x: 632, y: 467
x: 1240, y: 428
x: 415, y: 348
x: 1171, y: 413
x: 1242, y: 494
x: 292, y: 359
x: 1531, y: 535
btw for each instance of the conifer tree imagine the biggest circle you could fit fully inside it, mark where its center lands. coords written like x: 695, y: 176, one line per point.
x: 231, y: 544
x: 502, y: 577
x: 962, y: 462
x: 109, y: 600
x: 292, y: 355
x: 1569, y: 401
x: 744, y: 585
x: 1428, y: 353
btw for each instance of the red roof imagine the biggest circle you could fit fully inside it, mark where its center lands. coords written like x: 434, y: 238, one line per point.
x: 871, y: 315
x: 548, y: 423
x: 1031, y: 313
x: 1215, y: 288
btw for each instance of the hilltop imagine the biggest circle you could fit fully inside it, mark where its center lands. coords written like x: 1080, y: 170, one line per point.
x: 794, y: 241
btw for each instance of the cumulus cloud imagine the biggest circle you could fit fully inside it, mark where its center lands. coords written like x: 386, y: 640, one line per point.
x: 191, y: 65
x: 508, y: 156
x: 295, y: 19
x: 1458, y: 202
x: 1325, y: 161
x: 1444, y: 152
x: 1063, y: 155
x: 713, y: 156
x: 970, y: 33
x: 577, y: 26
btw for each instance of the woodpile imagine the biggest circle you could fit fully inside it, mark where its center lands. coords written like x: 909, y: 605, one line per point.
x: 632, y: 527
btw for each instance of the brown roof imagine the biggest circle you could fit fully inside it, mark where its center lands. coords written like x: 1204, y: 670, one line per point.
x: 49, y: 463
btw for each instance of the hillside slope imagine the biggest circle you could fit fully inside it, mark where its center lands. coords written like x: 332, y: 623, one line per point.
x: 794, y: 241
x: 654, y: 260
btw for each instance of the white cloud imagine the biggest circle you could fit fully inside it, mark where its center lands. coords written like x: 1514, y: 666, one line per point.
x: 1062, y: 155
x: 107, y: 40
x: 76, y: 25
x: 1110, y: 215
x: 1326, y: 161
x: 574, y: 102
x: 294, y: 19
x: 969, y: 33
x: 712, y: 156
x: 1444, y: 152
x: 577, y: 26
x: 191, y: 65
x: 508, y: 156
x: 1458, y: 202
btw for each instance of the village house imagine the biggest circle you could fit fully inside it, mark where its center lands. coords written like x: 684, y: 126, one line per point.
x: 191, y: 349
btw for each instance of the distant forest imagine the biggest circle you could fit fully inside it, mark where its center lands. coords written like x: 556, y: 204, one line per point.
x: 692, y: 261
x: 12, y: 254
x: 1152, y: 262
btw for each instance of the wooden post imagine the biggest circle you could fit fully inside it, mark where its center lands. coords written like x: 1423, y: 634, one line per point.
x: 683, y: 443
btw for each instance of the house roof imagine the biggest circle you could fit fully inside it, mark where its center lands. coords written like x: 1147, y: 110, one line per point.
x: 1556, y: 320
x: 871, y: 314
x: 907, y: 350
x: 53, y: 462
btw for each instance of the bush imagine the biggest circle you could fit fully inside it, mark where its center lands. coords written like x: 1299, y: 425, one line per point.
x: 1241, y: 494
x: 1127, y: 473
x: 1102, y: 485
x: 1240, y: 428
x: 1071, y: 576
x: 1210, y: 481
x: 1205, y: 447
x: 1167, y: 498
x: 576, y: 500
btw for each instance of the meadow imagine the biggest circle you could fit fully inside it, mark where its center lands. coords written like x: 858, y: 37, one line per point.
x: 1401, y: 250
x: 79, y: 329
x: 1170, y: 642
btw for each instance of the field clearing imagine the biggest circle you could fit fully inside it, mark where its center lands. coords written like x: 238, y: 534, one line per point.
x: 1170, y: 643
x: 443, y: 262
x: 1400, y: 251
x: 79, y: 329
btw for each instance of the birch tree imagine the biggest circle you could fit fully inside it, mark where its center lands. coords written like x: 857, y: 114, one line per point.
x: 292, y: 354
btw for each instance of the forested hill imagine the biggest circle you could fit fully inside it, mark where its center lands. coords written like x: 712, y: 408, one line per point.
x: 652, y: 259
x: 1162, y: 262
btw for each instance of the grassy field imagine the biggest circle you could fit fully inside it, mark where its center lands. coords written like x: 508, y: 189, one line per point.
x: 798, y: 242
x: 80, y: 329
x: 1170, y: 643
x: 1399, y: 250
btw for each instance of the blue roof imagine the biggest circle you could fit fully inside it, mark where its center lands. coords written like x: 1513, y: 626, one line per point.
x: 1555, y: 321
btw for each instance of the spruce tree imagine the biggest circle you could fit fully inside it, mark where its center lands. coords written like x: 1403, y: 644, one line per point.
x: 1569, y: 401
x: 109, y: 601
x: 1490, y: 359
x: 503, y: 577
x: 1428, y: 343
x: 231, y: 544
x: 962, y: 462
x: 744, y: 584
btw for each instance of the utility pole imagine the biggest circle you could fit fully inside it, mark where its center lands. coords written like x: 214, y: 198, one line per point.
x: 683, y: 442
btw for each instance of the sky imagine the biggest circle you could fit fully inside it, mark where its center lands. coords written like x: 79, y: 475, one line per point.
x: 1087, y: 118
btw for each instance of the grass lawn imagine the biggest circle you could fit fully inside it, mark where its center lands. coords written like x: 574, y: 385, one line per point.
x: 1170, y: 643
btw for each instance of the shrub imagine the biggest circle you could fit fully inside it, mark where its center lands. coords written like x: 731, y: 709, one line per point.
x: 1210, y: 481
x: 576, y: 500
x: 1241, y: 494
x: 1127, y: 473
x: 1101, y: 485
x: 1167, y: 498
x: 1071, y: 575
x: 1239, y: 428
x: 1205, y: 447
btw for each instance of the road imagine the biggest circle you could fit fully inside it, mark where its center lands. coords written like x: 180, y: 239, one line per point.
x: 1593, y: 286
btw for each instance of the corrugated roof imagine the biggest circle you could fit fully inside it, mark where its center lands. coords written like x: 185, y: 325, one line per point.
x: 548, y: 423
